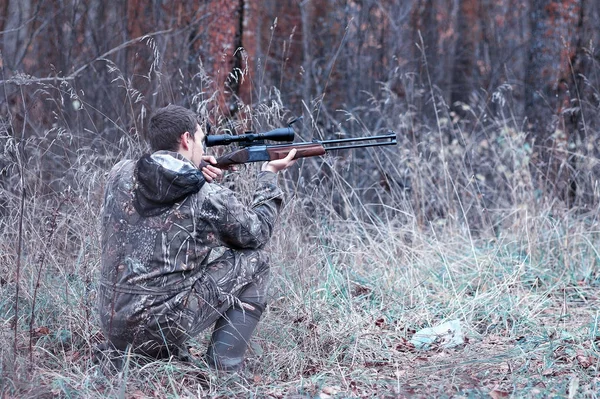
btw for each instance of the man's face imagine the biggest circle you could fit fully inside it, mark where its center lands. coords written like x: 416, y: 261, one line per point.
x: 197, y: 147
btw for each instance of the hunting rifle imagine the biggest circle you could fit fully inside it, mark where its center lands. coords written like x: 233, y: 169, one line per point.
x: 253, y: 147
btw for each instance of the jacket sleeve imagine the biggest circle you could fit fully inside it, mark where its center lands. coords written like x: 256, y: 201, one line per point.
x: 237, y: 225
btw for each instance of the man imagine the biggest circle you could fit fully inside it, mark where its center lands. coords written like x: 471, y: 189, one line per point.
x: 179, y: 252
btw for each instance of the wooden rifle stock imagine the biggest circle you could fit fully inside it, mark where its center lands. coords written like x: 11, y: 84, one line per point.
x: 302, y: 151
x: 233, y: 158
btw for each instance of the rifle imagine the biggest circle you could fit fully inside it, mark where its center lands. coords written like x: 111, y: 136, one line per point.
x: 254, y: 149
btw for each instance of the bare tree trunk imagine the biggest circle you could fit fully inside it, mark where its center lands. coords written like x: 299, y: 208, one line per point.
x: 555, y: 31
x: 17, y: 29
x: 424, y: 26
x: 580, y: 119
x: 249, y: 42
x: 224, y: 37
x: 305, y: 13
x: 465, y: 62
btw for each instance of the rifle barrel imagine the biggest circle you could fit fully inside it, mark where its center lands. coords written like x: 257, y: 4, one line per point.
x: 345, y: 147
x: 336, y: 141
x: 391, y: 137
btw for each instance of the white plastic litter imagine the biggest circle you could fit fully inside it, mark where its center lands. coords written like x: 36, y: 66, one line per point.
x: 446, y: 335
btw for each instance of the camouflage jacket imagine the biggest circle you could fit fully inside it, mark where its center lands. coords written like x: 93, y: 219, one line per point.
x: 150, y: 262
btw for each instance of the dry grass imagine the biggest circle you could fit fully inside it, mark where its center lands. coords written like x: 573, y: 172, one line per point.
x: 371, y: 247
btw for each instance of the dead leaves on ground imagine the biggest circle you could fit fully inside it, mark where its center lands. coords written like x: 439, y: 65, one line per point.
x: 499, y: 394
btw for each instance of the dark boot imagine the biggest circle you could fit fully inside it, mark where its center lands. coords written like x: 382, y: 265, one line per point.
x: 231, y: 336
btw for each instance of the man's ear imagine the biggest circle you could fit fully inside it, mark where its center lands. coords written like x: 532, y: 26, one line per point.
x: 184, y: 141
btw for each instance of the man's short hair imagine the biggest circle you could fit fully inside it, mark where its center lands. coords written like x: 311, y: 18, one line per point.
x: 168, y: 124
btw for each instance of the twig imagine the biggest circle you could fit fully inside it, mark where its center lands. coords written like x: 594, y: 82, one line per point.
x: 18, y: 271
x: 331, y: 67
x: 51, y: 230
x: 20, y: 151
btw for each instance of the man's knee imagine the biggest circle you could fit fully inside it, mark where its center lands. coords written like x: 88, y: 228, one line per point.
x: 251, y: 263
x: 259, y: 259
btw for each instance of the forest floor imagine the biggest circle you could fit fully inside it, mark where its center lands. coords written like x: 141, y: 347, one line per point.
x: 342, y: 314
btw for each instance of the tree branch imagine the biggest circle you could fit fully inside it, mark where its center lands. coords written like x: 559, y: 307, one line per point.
x: 22, y: 79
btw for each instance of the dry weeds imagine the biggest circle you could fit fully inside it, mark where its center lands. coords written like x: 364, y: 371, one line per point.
x: 372, y: 246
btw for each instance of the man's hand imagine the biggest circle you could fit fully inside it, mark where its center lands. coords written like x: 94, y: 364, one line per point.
x: 280, y: 164
x: 211, y: 173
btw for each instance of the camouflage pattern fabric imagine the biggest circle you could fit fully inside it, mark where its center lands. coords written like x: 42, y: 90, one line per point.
x: 168, y: 275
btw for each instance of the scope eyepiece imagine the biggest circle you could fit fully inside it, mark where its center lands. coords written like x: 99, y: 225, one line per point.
x: 280, y: 134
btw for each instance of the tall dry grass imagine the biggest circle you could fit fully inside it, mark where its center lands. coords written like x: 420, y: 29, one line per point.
x: 371, y: 246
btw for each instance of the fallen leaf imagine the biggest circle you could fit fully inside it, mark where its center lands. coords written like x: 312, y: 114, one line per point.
x: 549, y: 371
x: 299, y: 319
x: 360, y: 290
x: 404, y: 345
x: 137, y: 395
x: 277, y: 394
x: 584, y: 360
x: 498, y: 394
x: 561, y: 355
x: 331, y: 390
x: 310, y: 370
x: 38, y: 332
x: 573, y: 387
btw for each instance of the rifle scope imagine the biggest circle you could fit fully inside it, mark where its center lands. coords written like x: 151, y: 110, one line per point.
x: 248, y: 139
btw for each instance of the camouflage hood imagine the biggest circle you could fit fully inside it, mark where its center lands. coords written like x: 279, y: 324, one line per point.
x: 163, y: 179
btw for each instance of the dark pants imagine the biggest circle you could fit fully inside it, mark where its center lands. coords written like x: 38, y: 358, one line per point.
x: 237, y: 275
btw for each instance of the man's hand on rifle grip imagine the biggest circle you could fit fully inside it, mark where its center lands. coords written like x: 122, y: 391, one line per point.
x: 211, y: 173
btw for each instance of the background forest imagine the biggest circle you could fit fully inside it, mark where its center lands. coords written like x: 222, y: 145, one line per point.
x: 487, y: 210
